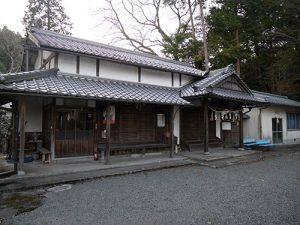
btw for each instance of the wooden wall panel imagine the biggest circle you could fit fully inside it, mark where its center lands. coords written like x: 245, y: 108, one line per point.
x: 192, y: 125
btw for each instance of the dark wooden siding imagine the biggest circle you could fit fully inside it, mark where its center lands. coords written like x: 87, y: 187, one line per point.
x: 136, y: 123
x: 192, y: 125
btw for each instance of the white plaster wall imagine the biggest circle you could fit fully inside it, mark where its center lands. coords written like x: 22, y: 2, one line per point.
x: 176, y: 80
x: 251, y: 126
x: 87, y: 66
x: 156, y: 77
x: 37, y: 64
x: 34, y: 114
x: 177, y: 123
x: 118, y: 71
x: 185, y: 79
x: 289, y: 136
x: 45, y: 55
x: 67, y: 63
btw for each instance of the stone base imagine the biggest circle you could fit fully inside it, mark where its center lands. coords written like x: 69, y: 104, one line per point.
x: 21, y: 173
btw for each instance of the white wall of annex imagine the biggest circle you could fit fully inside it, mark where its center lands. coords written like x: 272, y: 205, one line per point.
x: 251, y: 126
x: 118, y: 71
x: 67, y: 63
x: 289, y: 136
x: 87, y: 66
x: 149, y: 76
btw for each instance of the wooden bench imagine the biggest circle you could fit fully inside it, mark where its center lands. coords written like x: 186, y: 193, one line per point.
x: 131, y: 146
x: 46, y: 155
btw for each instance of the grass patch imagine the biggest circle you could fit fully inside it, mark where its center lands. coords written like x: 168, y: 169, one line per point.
x: 23, y: 202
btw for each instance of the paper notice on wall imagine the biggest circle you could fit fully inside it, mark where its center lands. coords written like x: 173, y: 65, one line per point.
x: 160, y: 120
x: 112, y: 115
x: 226, y: 125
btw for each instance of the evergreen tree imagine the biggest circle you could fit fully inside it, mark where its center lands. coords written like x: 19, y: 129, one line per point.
x: 48, y: 15
x: 11, y: 51
x: 267, y: 43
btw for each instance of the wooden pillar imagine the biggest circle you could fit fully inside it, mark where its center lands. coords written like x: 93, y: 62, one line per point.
x: 26, y: 57
x: 206, y: 127
x: 14, y: 134
x: 22, y: 134
x: 241, y: 134
x: 107, y: 145
x: 52, y: 127
x: 172, y: 131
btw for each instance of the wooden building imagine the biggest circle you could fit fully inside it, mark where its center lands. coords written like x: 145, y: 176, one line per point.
x: 152, y: 102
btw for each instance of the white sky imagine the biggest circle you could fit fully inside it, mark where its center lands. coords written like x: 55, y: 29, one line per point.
x: 80, y: 12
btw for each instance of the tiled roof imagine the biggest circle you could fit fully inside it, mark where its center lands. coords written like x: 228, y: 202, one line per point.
x: 53, y: 82
x: 208, y: 87
x: 49, y: 39
x: 276, y: 99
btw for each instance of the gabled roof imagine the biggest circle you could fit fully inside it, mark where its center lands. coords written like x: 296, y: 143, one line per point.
x: 54, y: 83
x: 214, y: 85
x: 276, y: 99
x: 59, y: 42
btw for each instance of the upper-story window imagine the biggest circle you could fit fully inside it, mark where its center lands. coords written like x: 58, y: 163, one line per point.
x: 293, y: 121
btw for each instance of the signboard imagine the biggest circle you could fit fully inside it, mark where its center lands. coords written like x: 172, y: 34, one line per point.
x: 161, y: 120
x: 226, y: 125
x: 112, y: 115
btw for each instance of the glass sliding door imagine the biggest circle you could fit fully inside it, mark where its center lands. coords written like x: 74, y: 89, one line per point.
x: 277, y: 130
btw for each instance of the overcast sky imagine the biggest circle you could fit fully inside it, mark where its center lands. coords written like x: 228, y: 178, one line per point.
x: 81, y: 13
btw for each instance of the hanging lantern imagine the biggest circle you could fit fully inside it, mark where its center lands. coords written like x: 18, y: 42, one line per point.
x: 277, y: 120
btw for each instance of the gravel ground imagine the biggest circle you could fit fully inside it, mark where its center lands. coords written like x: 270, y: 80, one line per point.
x: 265, y: 192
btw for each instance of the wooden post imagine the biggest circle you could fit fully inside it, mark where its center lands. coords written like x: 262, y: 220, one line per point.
x: 22, y: 134
x: 107, y: 146
x: 26, y: 57
x: 206, y: 127
x: 52, y: 127
x: 241, y: 130
x: 14, y: 134
x: 172, y: 131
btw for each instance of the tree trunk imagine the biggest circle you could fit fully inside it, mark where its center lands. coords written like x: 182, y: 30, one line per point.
x: 238, y: 61
x: 204, y: 36
x: 192, y: 20
x: 48, y: 14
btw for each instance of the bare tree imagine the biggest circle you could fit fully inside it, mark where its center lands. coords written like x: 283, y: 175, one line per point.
x: 147, y: 25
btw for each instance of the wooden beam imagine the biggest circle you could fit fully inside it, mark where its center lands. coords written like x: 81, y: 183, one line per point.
x: 241, y: 134
x: 22, y: 133
x: 206, y: 127
x: 107, y: 144
x: 51, y: 56
x: 172, y: 131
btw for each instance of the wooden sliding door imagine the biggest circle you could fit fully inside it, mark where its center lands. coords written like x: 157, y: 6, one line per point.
x: 74, y: 133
